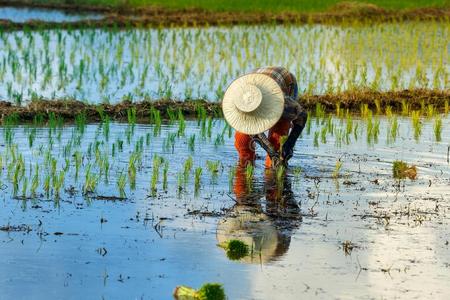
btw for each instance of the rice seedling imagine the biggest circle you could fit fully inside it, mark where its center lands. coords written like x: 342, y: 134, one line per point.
x: 121, y: 183
x: 235, y: 249
x: 179, y: 182
x: 90, y: 181
x: 430, y: 111
x: 437, y: 128
x: 24, y: 187
x: 188, y: 164
x: 171, y: 114
x: 155, y: 118
x: 323, y: 134
x: 405, y: 108
x: 417, y: 125
x: 181, y: 123
x: 249, y: 170
x: 337, y: 169
x: 197, y: 178
x: 316, y: 139
x: 213, y: 168
x: 35, y: 181
x: 58, y: 183
x: 393, y: 129
x: 191, y: 143
x: 280, y: 174
x: 157, y: 161
x: 165, y: 172
x: 308, y: 123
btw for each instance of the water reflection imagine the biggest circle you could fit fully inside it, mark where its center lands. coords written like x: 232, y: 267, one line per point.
x: 25, y: 14
x: 264, y: 217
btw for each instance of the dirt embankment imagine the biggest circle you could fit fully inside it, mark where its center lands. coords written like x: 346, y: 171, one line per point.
x: 346, y: 12
x: 69, y: 109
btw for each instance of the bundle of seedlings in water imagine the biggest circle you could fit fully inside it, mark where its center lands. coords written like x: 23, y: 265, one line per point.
x: 235, y: 249
x: 209, y: 291
x: 401, y: 170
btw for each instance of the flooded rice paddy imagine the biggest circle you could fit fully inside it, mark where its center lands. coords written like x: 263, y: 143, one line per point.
x: 25, y: 14
x: 125, y: 210
x: 108, y: 65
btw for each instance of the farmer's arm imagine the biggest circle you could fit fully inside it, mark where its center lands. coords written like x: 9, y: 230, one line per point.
x: 293, y: 111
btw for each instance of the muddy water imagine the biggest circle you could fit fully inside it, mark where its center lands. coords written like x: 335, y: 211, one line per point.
x: 100, y: 65
x: 23, y: 14
x: 144, y: 246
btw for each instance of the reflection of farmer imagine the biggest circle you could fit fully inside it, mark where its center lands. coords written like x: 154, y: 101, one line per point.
x: 265, y: 99
x: 266, y: 229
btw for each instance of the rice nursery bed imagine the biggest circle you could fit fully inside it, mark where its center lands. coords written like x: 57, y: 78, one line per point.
x: 110, y: 65
x: 131, y: 210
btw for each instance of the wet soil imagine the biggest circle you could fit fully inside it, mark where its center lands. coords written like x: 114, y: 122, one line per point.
x: 352, y: 101
x: 157, y: 16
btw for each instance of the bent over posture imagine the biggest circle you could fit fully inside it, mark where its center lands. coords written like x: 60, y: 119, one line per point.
x: 265, y: 99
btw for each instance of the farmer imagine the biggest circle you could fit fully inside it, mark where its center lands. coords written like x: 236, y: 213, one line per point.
x: 265, y: 99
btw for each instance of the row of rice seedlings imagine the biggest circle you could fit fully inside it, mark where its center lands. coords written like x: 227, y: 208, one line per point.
x: 97, y: 155
x: 107, y: 64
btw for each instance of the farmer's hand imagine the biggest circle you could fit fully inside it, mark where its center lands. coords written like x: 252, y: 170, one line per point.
x: 287, y: 151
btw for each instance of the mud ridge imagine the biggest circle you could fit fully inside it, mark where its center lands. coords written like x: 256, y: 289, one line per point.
x: 352, y: 100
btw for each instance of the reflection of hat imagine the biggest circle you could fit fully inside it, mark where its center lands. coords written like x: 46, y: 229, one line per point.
x: 254, y: 229
x: 253, y: 103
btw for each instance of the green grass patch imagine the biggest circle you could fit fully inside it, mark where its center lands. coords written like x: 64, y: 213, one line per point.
x: 256, y: 5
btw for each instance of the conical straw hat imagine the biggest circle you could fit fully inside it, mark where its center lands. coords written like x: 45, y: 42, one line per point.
x: 253, y: 103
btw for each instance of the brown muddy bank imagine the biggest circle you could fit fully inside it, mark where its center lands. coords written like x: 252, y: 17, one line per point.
x: 353, y: 101
x: 157, y: 16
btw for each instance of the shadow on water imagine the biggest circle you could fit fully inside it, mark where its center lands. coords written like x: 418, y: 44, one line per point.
x: 264, y: 217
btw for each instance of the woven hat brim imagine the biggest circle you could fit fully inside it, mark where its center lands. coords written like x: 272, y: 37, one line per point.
x: 265, y: 116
